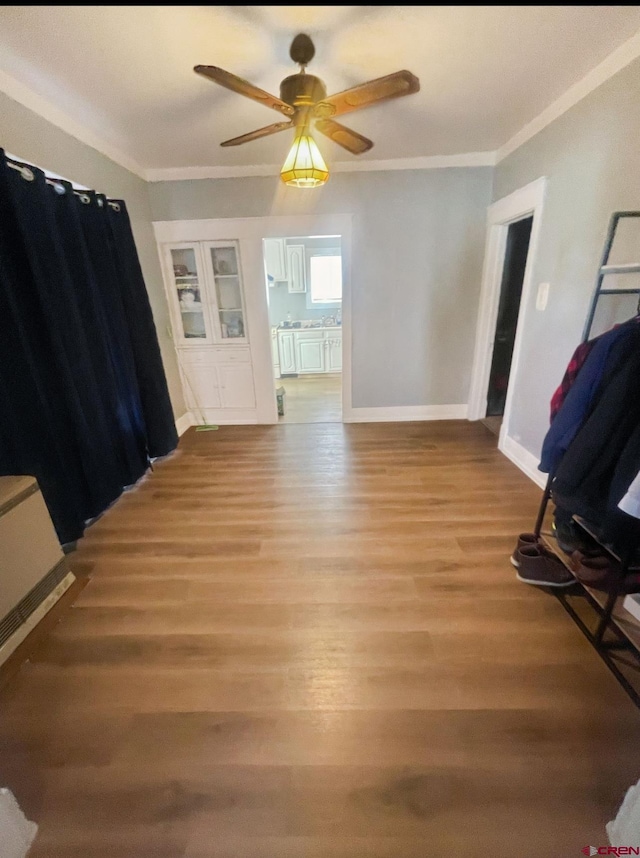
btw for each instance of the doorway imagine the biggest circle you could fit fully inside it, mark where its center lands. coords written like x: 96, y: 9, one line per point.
x: 304, y: 292
x: 506, y: 300
x: 515, y: 262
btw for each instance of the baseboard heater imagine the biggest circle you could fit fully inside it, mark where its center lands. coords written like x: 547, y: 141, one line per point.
x: 33, y: 570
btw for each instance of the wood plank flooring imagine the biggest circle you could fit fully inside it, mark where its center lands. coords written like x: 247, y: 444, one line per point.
x: 312, y: 399
x: 307, y: 640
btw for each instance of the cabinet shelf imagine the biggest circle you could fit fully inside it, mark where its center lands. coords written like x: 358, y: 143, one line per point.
x: 225, y: 276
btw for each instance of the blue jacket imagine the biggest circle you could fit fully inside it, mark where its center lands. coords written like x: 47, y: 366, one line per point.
x: 576, y: 405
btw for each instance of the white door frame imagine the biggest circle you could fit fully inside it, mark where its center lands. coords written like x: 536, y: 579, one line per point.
x: 249, y: 233
x: 522, y: 203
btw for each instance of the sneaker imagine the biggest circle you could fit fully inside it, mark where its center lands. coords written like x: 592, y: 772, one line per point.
x: 568, y: 536
x: 541, y: 568
x: 523, y: 539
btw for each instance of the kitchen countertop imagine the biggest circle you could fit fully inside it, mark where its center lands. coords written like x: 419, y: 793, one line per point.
x: 311, y: 328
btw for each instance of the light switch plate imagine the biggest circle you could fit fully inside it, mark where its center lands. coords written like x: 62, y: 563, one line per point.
x: 542, y: 296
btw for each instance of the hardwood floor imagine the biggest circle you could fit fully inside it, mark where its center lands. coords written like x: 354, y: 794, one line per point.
x: 307, y: 640
x: 312, y: 399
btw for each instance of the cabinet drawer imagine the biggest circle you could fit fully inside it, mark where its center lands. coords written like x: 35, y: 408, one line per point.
x: 309, y: 335
x: 213, y: 356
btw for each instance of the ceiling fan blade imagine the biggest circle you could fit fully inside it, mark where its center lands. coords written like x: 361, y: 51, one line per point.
x: 381, y: 89
x: 243, y: 87
x: 256, y: 135
x: 345, y: 137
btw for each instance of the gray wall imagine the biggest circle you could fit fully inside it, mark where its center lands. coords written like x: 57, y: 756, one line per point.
x: 591, y: 156
x: 281, y: 301
x: 418, y: 244
x: 29, y: 136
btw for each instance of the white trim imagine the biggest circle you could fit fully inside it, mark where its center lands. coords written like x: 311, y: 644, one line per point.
x: 401, y: 413
x: 34, y: 618
x: 26, y: 96
x: 526, y: 201
x: 626, y: 53
x: 183, y: 423
x: 524, y: 460
x: 426, y: 162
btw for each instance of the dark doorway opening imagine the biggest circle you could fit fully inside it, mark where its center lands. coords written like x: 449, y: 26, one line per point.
x: 515, y: 261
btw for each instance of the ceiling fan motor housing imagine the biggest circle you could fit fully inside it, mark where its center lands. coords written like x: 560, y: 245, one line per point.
x: 302, y: 90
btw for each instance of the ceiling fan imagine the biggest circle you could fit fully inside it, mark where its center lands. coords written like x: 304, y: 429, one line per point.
x: 303, y: 99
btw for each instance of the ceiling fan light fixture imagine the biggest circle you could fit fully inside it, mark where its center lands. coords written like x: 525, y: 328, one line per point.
x: 304, y: 166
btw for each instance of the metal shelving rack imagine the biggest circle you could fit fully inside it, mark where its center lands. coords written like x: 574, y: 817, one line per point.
x: 611, y: 614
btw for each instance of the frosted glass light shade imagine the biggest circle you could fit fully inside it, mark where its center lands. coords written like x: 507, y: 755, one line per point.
x: 304, y: 166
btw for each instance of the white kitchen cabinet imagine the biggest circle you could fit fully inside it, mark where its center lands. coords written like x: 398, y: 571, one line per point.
x: 275, y: 353
x: 275, y: 258
x: 333, y: 352
x: 307, y: 351
x: 310, y: 352
x: 296, y: 267
x: 287, y: 350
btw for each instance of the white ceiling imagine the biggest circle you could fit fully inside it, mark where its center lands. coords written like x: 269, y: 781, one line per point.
x: 125, y: 72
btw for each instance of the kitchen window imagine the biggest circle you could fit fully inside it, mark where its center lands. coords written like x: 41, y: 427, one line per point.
x: 325, y: 277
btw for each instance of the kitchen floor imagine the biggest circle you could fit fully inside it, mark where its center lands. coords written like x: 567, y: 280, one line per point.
x: 309, y: 641
x: 312, y: 399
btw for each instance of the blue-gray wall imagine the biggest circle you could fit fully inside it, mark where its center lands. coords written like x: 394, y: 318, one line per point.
x: 591, y: 158
x: 418, y: 245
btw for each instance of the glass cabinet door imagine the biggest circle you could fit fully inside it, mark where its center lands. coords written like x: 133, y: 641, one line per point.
x: 229, y: 299
x: 189, y: 296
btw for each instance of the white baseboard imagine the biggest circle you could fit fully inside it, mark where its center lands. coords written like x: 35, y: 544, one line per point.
x: 523, y: 459
x: 216, y: 417
x: 399, y: 414
x: 183, y: 423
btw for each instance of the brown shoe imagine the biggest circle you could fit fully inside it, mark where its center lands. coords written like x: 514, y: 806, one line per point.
x: 523, y: 540
x: 542, y: 568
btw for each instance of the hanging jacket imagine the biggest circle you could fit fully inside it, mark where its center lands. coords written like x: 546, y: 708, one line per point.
x: 581, y: 396
x: 604, y: 456
x: 571, y: 373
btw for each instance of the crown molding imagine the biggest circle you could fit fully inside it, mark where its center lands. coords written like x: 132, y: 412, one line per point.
x: 26, y: 96
x: 626, y: 53
x: 427, y: 162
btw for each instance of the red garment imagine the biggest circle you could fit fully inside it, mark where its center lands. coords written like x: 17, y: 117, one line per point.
x: 575, y: 365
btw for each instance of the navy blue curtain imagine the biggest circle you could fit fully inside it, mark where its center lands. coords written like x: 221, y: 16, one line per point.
x: 84, y: 403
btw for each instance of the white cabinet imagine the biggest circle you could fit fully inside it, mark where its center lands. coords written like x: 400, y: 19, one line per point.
x: 310, y: 352
x: 208, y: 319
x: 205, y: 292
x: 287, y: 350
x: 333, y: 354
x: 296, y: 267
x: 187, y: 293
x: 217, y: 378
x: 236, y: 386
x: 275, y: 353
x: 275, y: 259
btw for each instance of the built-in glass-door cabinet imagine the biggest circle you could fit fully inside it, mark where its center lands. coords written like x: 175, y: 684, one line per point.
x: 206, y: 294
x: 209, y: 323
